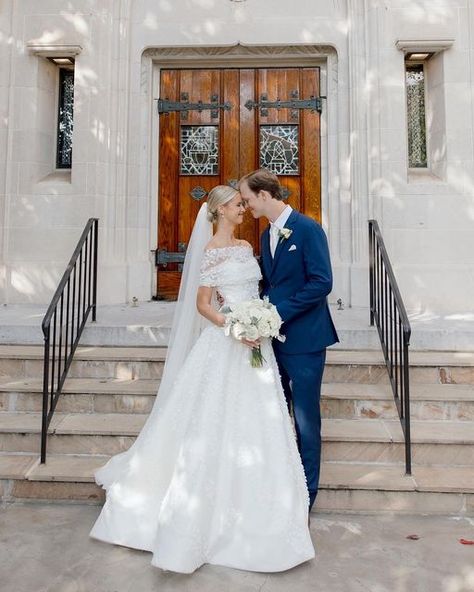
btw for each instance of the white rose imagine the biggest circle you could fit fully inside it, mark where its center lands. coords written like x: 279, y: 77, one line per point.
x: 252, y: 333
x: 264, y: 329
x: 275, y: 325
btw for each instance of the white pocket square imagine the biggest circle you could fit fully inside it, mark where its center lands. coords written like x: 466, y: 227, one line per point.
x: 292, y: 248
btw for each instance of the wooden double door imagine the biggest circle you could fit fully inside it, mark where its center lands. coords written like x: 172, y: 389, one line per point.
x: 219, y: 124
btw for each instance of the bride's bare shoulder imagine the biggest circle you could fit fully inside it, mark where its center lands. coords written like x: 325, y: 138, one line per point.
x: 213, y: 244
x: 244, y: 243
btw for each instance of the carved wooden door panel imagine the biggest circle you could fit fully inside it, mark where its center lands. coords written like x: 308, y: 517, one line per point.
x: 215, y: 126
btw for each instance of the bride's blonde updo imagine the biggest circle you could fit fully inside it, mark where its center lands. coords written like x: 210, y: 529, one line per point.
x: 218, y: 196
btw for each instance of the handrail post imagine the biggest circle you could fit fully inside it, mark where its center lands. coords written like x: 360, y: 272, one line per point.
x: 94, y: 289
x: 406, y: 386
x: 371, y: 273
x: 44, y: 416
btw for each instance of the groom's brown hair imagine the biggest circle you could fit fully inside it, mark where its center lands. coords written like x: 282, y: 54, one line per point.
x: 263, y: 180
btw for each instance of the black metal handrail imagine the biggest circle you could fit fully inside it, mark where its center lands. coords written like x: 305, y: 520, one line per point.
x: 73, y: 300
x: 388, y: 313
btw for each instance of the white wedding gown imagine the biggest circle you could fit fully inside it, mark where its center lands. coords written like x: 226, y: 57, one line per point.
x: 217, y: 478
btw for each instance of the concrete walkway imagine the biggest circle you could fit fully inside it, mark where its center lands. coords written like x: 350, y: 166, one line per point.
x: 46, y: 548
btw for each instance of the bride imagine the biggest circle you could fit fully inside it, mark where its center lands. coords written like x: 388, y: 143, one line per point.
x: 215, y: 475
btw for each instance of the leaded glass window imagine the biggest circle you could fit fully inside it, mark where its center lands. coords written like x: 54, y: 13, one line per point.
x: 199, y: 149
x: 415, y: 85
x: 65, y: 118
x: 279, y: 149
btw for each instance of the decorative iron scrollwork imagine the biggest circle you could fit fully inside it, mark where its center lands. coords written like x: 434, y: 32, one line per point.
x: 279, y: 148
x: 199, y: 149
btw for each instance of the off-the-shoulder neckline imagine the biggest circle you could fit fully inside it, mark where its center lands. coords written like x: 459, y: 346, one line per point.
x: 228, y: 247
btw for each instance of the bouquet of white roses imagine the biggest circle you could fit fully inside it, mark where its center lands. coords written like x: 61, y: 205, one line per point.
x: 253, y: 320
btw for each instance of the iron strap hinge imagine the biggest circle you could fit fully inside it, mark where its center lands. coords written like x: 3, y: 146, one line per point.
x: 165, y: 106
x: 313, y: 104
x: 163, y: 256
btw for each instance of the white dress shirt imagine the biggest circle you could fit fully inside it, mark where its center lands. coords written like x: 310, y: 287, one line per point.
x: 276, y: 226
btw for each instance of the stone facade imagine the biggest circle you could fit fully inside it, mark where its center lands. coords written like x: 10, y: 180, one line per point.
x: 427, y: 217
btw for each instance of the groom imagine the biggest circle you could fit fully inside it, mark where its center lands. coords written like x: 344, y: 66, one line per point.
x: 297, y: 278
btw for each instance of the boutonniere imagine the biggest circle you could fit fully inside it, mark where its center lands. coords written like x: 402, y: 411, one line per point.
x: 285, y: 233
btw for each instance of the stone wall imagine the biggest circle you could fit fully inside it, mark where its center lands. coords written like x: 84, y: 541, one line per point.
x: 427, y: 219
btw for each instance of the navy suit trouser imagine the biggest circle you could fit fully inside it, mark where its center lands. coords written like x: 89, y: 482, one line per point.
x: 301, y: 376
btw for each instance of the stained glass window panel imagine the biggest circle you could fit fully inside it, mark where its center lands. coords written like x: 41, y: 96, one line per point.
x: 65, y: 119
x: 279, y: 149
x: 415, y: 85
x: 199, y: 150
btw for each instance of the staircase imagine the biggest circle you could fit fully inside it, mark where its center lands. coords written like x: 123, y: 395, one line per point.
x: 110, y: 391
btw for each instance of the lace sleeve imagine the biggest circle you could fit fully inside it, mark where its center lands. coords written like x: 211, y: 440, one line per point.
x: 208, y: 271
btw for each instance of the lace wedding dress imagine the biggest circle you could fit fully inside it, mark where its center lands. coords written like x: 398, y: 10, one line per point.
x: 217, y: 478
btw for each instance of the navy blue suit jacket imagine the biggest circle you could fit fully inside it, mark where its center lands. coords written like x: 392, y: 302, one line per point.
x: 297, y: 281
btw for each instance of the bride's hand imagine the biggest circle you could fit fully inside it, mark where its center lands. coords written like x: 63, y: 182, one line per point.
x: 250, y: 343
x: 220, y: 300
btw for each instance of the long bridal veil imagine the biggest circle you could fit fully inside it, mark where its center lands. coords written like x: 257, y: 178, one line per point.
x: 187, y: 322
x: 186, y: 328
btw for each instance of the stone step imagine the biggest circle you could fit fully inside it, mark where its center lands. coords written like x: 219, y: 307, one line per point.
x: 16, y: 465
x: 368, y: 367
x: 334, y: 475
x: 381, y: 441
x: 339, y: 400
x: 348, y: 440
x: 126, y: 363
x: 60, y: 484
x: 343, y: 487
x: 89, y: 353
x: 130, y: 363
x: 432, y: 401
x: 360, y: 487
x: 148, y: 325
x: 85, y: 433
x: 86, y: 395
